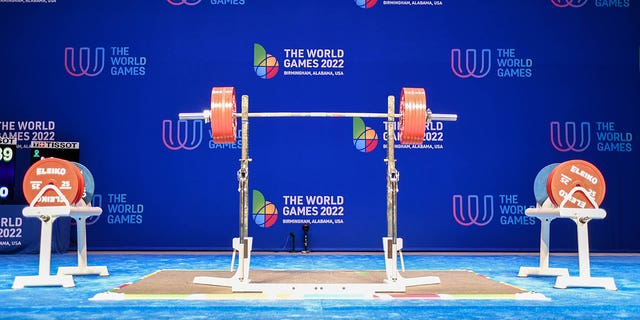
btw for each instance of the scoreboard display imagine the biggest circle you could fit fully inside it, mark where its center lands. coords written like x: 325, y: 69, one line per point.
x: 7, y: 169
x: 58, y: 149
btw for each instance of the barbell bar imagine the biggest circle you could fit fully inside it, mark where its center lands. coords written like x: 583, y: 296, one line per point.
x: 414, y: 115
x: 206, y: 115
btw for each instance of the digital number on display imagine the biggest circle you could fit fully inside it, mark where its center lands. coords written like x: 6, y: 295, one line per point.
x: 7, y: 171
x: 7, y: 154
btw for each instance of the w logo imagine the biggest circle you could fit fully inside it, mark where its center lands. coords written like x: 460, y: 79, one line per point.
x: 569, y: 3
x: 83, y: 64
x: 569, y: 141
x: 96, y: 201
x: 182, y: 140
x: 472, y: 215
x: 183, y: 2
x: 470, y: 68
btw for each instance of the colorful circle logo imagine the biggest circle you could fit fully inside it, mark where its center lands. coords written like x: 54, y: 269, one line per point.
x: 264, y: 64
x: 366, y: 4
x: 265, y: 213
x: 365, y: 139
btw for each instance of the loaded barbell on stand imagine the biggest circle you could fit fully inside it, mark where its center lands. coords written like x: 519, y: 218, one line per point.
x: 414, y: 115
x: 413, y: 119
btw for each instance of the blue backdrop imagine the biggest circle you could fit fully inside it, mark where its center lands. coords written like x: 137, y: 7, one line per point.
x: 533, y: 82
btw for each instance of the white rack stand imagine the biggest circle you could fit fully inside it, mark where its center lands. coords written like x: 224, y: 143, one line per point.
x: 47, y: 216
x: 546, y: 213
x: 240, y: 280
x: 391, y: 253
x: 80, y: 214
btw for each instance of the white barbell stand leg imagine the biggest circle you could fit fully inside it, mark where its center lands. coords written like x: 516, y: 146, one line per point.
x: 241, y: 278
x: 81, y: 226
x: 44, y: 278
x: 543, y: 269
x: 390, y: 258
x: 391, y: 254
x: 235, y: 245
x: 47, y: 216
x: 585, y: 279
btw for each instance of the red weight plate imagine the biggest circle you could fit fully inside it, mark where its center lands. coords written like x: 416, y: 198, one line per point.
x: 54, y: 171
x: 216, y: 117
x: 403, y: 111
x: 409, y: 115
x: 421, y: 114
x: 413, y: 115
x: 576, y: 173
x: 223, y: 122
x: 549, y: 179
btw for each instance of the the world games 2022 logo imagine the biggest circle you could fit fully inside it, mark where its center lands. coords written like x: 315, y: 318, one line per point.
x: 264, y: 64
x: 366, y: 4
x: 265, y: 213
x: 365, y: 139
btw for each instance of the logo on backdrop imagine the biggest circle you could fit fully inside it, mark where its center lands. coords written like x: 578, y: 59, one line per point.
x: 96, y: 201
x: 597, y: 3
x: 475, y: 63
x: 472, y: 68
x: 265, y: 213
x: 365, y: 139
x: 180, y: 140
x: 264, y: 64
x: 120, y: 210
x: 472, y: 215
x: 213, y: 2
x: 366, y: 4
x: 569, y: 140
x: 188, y: 135
x: 480, y: 210
x: 313, y: 209
x: 434, y: 136
x: 299, y: 62
x: 183, y: 2
x: 577, y: 137
x: 26, y: 131
x: 569, y: 3
x: 84, y: 63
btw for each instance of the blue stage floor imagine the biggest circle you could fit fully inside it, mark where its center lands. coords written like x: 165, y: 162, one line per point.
x: 572, y: 303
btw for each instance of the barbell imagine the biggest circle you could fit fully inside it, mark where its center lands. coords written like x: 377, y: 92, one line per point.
x: 414, y: 115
